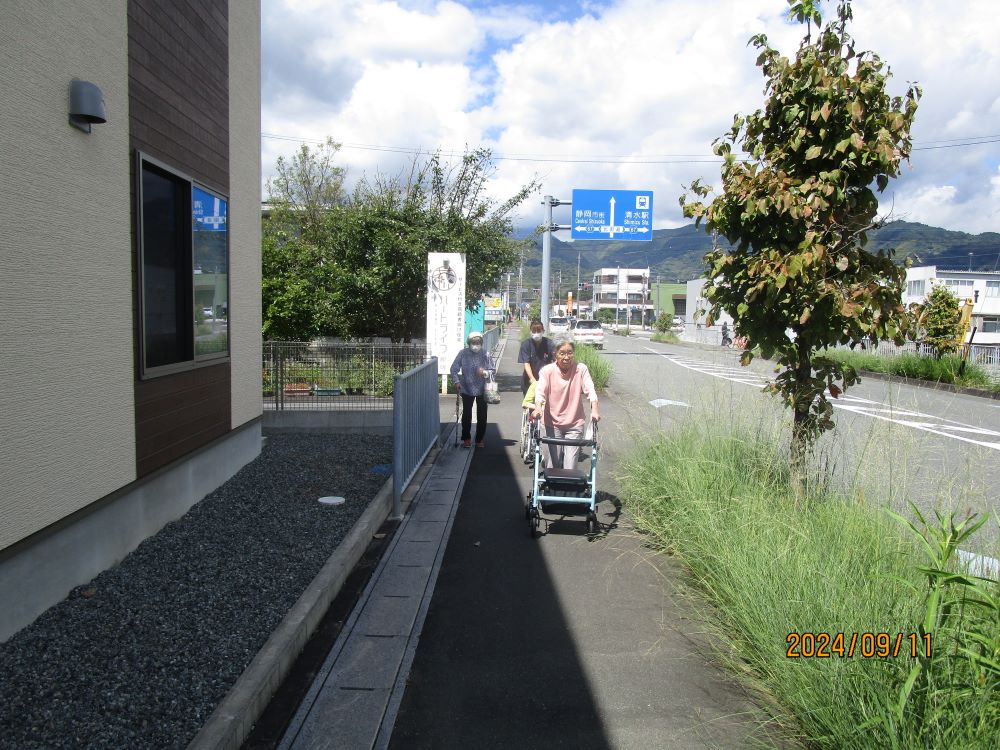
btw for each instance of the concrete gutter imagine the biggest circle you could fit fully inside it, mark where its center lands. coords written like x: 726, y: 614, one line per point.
x: 234, y: 718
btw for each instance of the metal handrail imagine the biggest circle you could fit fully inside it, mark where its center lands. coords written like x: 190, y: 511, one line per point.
x: 415, y: 425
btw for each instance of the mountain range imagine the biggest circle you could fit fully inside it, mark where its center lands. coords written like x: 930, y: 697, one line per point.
x: 675, y: 255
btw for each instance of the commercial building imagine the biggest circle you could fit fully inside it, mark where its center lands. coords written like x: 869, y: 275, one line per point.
x: 624, y: 290
x: 130, y: 375
x: 982, y: 288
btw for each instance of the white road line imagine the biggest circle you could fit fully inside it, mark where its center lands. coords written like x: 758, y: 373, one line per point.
x: 657, y: 403
x: 866, y: 407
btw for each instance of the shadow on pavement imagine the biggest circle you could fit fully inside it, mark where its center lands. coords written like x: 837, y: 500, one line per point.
x: 496, y: 666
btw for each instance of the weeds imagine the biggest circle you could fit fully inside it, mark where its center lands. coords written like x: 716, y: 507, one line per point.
x: 719, y: 499
x: 943, y: 370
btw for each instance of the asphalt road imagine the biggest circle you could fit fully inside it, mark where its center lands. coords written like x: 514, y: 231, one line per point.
x: 896, y: 443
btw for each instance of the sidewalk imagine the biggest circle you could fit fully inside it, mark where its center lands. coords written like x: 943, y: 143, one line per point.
x: 472, y: 634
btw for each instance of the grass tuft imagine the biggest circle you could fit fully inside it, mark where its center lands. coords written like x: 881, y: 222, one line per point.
x: 718, y: 498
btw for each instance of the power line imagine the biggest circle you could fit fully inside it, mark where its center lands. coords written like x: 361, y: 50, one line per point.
x: 587, y: 159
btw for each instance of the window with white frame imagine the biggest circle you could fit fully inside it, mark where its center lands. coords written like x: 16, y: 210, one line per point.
x: 915, y: 288
x: 993, y: 288
x: 960, y: 287
x: 183, y: 270
x: 991, y: 325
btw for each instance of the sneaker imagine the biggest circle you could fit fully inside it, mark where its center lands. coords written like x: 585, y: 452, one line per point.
x: 466, y: 443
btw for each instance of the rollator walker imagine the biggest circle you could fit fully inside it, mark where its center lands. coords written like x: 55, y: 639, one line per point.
x: 563, y: 492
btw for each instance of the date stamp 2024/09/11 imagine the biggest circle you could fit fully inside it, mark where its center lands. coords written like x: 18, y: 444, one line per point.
x: 866, y: 645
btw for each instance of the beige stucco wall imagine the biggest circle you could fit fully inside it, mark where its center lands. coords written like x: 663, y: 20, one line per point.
x: 66, y: 362
x: 244, y: 216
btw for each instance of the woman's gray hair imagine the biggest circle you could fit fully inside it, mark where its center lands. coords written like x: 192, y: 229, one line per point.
x: 561, y: 341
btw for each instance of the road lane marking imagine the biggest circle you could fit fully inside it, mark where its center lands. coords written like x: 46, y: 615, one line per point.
x: 658, y: 402
x: 866, y: 407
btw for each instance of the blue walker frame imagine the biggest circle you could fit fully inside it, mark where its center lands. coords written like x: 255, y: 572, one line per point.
x: 577, y: 487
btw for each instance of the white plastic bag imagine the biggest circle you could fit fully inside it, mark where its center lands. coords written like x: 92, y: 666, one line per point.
x: 492, y: 390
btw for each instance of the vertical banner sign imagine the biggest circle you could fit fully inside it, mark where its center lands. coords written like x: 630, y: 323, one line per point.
x: 445, y: 307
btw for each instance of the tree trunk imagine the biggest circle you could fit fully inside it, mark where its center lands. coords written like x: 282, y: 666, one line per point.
x: 800, y: 431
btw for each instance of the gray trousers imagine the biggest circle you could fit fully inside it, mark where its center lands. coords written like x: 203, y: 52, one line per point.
x: 562, y: 456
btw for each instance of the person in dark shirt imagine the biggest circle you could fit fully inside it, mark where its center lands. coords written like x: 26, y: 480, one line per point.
x: 536, y: 352
x: 469, y: 372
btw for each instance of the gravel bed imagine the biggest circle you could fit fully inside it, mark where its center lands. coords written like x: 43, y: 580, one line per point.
x: 140, y: 656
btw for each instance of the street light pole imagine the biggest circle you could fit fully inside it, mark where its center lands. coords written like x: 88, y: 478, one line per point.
x: 618, y: 296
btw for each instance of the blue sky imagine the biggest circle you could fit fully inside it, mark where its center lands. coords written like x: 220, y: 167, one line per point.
x: 620, y: 94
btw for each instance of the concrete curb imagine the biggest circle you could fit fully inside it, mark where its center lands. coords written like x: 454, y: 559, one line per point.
x: 934, y: 386
x: 981, y: 393
x: 231, y: 721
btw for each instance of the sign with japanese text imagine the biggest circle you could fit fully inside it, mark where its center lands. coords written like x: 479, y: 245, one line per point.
x: 613, y: 215
x: 445, y: 307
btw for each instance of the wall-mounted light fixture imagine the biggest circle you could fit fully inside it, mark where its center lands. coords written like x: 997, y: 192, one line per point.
x: 86, y: 105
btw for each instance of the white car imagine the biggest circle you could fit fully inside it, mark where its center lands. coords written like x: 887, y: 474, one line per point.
x: 589, y: 332
x: 559, y: 325
x: 677, y: 324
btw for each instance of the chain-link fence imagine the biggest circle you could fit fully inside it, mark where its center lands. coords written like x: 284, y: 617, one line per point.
x: 335, y: 375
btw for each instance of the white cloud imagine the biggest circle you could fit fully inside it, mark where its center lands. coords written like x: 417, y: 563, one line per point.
x: 650, y: 79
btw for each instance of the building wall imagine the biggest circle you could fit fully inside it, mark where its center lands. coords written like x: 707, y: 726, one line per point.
x: 66, y: 342
x: 179, y: 114
x: 244, y: 186
x: 986, y: 306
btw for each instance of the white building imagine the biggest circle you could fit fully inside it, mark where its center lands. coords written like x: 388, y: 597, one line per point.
x: 982, y: 287
x: 625, y: 290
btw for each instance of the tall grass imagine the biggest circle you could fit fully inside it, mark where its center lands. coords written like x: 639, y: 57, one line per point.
x: 718, y: 498
x: 943, y: 370
x: 599, y: 366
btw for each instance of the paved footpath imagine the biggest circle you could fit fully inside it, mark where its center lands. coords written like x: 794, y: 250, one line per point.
x: 472, y: 634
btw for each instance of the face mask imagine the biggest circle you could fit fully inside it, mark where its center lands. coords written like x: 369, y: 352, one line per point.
x: 476, y: 347
x: 536, y: 337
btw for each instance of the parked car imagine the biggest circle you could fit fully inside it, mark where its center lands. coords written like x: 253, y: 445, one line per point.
x: 677, y: 325
x: 559, y: 325
x: 589, y: 332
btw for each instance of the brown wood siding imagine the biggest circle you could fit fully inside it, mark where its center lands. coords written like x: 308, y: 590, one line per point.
x: 179, y: 85
x: 177, y: 414
x: 178, y: 72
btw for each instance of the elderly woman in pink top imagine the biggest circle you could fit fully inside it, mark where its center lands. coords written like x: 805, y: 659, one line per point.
x: 559, y: 402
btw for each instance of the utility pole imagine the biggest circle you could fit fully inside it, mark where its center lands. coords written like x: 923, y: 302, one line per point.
x: 657, y: 296
x: 577, y: 271
x: 618, y: 296
x: 520, y: 281
x: 548, y: 201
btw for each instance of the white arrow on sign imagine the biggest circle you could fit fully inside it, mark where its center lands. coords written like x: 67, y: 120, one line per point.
x: 611, y: 219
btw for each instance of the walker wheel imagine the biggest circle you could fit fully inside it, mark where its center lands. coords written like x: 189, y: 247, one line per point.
x: 534, y: 521
x: 592, y: 525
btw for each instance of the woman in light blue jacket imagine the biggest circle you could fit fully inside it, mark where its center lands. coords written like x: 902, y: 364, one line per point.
x: 469, y: 371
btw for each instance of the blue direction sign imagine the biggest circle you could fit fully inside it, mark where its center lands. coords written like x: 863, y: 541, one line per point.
x: 613, y: 215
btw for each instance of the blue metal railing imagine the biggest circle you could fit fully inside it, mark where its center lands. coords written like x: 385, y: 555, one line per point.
x: 416, y: 423
x: 491, y: 338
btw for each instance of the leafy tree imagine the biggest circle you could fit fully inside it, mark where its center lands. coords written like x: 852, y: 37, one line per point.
x: 796, y: 209
x: 605, y: 315
x: 939, y: 320
x: 306, y: 186
x: 474, y: 223
x: 357, y: 267
x: 663, y: 322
